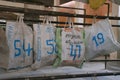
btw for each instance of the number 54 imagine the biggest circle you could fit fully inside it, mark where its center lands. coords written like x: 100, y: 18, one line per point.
x: 21, y: 48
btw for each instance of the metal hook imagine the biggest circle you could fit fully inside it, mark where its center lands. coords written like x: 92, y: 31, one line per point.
x: 95, y: 76
x: 94, y: 18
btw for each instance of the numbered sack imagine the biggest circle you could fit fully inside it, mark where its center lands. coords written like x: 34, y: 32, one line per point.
x: 20, y: 43
x: 70, y: 46
x: 100, y: 40
x: 44, y: 45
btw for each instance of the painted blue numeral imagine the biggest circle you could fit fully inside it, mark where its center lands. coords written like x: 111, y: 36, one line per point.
x: 95, y: 40
x: 99, y: 39
x: 56, y: 49
x: 73, y: 52
x: 51, y: 44
x: 28, y: 50
x: 79, y: 50
x: 17, y: 48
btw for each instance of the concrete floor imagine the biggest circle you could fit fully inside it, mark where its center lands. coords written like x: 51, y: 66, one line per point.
x: 88, y: 67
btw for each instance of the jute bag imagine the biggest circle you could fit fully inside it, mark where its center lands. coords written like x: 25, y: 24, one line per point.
x: 100, y: 40
x: 44, y: 44
x: 70, y: 46
x: 20, y: 41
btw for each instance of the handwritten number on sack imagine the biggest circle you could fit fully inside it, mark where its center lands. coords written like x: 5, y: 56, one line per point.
x: 79, y: 50
x: 51, y: 44
x: 99, y: 39
x: 28, y: 50
x: 73, y: 51
x: 19, y: 49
